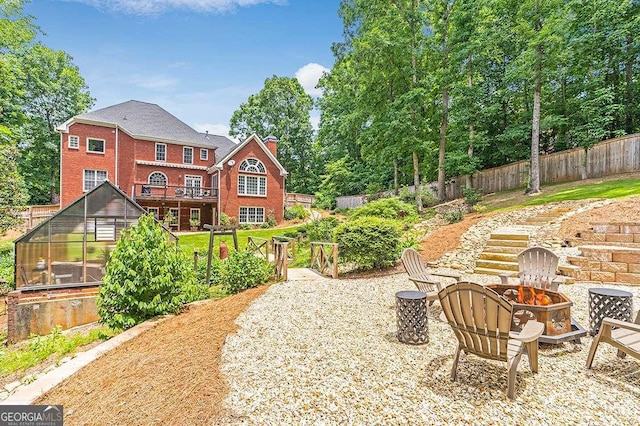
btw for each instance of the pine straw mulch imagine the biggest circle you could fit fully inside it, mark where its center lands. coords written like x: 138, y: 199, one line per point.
x: 168, y: 375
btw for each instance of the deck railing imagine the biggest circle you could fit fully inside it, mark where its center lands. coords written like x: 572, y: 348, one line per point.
x: 173, y: 192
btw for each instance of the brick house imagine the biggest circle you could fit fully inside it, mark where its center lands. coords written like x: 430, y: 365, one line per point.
x: 169, y: 168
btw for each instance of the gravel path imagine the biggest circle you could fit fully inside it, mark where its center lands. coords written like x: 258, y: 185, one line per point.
x: 320, y: 351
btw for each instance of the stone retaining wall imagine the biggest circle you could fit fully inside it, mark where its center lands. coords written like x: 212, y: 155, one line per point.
x: 616, y: 234
x: 608, y: 264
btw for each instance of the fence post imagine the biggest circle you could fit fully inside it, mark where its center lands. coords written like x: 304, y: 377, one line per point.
x: 195, y: 260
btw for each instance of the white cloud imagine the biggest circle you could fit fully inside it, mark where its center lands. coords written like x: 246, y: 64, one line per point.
x: 309, y: 75
x: 150, y: 7
x: 153, y: 82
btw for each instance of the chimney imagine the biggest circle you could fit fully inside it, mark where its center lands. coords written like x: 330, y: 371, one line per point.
x: 272, y: 144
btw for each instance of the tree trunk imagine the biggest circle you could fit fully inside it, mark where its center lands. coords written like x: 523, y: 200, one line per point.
x: 469, y: 180
x: 416, y: 182
x: 396, y: 186
x: 534, y: 182
x: 629, y: 85
x: 445, y: 105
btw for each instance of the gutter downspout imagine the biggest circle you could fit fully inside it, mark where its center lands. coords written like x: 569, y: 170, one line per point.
x: 116, y: 159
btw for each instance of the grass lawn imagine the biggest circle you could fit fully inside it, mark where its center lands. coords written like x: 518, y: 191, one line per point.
x: 199, y: 241
x: 593, y: 188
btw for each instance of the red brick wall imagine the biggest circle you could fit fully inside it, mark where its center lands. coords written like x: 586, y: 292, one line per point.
x: 231, y: 202
x: 74, y: 161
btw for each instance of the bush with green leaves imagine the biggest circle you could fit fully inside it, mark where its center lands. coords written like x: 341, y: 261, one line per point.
x: 224, y: 219
x: 243, y: 270
x: 6, y: 267
x: 146, y: 276
x: 321, y: 230
x: 296, y: 212
x: 389, y: 208
x: 471, y: 195
x: 369, y: 242
x: 453, y: 216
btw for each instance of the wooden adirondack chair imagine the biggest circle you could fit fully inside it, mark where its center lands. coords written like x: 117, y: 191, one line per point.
x: 537, y: 267
x: 426, y: 281
x: 625, y: 337
x: 481, y: 321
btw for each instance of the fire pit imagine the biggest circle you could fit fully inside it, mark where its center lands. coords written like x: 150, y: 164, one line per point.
x: 551, y: 308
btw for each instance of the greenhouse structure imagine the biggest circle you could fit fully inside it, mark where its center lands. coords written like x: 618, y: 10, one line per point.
x: 71, y: 247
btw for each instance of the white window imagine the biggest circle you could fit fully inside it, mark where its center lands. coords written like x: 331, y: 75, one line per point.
x: 187, y: 155
x: 251, y: 214
x: 161, y: 152
x: 175, y: 216
x: 74, y: 142
x: 157, y: 179
x: 95, y: 145
x: 252, y: 165
x: 155, y: 211
x: 194, y: 215
x: 204, y: 154
x: 252, y: 185
x: 93, y: 178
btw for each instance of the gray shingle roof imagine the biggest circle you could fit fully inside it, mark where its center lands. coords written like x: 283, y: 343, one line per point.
x: 146, y: 120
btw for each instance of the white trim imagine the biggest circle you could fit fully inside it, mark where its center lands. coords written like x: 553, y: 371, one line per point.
x: 166, y: 179
x: 222, y: 163
x: 155, y: 152
x: 251, y: 207
x: 193, y: 209
x: 104, y: 145
x: 77, y: 139
x: 184, y: 154
x: 106, y: 172
x: 155, y: 210
x: 172, y: 165
x: 257, y: 176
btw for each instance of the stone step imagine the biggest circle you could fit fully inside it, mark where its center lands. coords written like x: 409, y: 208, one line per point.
x: 488, y: 271
x: 506, y: 235
x: 504, y: 257
x: 508, y: 243
x: 496, y: 264
x: 503, y: 249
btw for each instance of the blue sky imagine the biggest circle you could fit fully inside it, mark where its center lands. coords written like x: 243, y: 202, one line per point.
x: 198, y: 59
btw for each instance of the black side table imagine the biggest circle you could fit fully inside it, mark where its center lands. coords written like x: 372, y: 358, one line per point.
x: 608, y: 302
x: 411, y: 312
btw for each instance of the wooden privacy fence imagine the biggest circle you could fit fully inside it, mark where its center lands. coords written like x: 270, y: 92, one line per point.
x: 280, y: 259
x: 258, y: 246
x: 305, y: 200
x: 324, y: 258
x: 615, y: 156
x: 33, y: 215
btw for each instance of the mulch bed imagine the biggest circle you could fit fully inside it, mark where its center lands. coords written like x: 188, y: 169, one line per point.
x: 168, y: 375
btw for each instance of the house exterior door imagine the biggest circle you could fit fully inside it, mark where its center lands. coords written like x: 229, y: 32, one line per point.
x: 193, y: 185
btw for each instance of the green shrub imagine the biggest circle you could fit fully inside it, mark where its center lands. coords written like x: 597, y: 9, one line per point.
x: 242, y: 270
x: 271, y: 219
x: 224, y: 219
x: 215, y: 274
x: 146, y: 276
x: 389, y: 208
x: 453, y: 216
x: 471, y: 195
x: 322, y: 230
x: 6, y: 270
x: 369, y: 242
x: 324, y: 201
x: 296, y: 212
x: 245, y: 226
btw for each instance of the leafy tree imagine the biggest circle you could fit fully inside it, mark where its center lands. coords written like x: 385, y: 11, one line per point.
x: 56, y: 91
x: 146, y: 276
x: 12, y: 192
x: 282, y: 109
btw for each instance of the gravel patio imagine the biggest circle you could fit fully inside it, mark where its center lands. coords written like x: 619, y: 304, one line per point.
x: 320, y: 351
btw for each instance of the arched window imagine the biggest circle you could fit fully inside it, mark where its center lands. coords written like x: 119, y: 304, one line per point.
x: 252, y: 165
x: 157, y: 179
